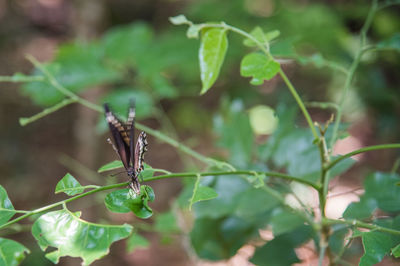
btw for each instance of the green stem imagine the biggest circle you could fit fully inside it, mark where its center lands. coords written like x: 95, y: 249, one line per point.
x: 281, y: 73
x: 63, y: 202
x: 365, y: 149
x: 17, y: 79
x: 323, y: 105
x: 23, y: 121
x: 352, y: 71
x: 356, y: 223
x: 273, y: 174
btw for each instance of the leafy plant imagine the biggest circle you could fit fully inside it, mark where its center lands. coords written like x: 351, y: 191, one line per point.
x: 232, y: 199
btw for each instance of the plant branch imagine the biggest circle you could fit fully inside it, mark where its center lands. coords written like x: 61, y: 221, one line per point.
x: 365, y: 149
x: 352, y: 71
x: 51, y: 206
x: 18, y: 78
x: 239, y: 172
x: 263, y: 48
x: 23, y: 121
x: 360, y: 224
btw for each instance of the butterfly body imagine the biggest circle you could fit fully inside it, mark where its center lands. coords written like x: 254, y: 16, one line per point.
x: 131, y: 155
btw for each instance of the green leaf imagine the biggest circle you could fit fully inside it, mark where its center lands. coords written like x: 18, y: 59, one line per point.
x: 376, y: 246
x: 284, y: 221
x: 77, y: 66
x: 179, y: 20
x: 11, y: 252
x: 220, y: 238
x: 110, y: 166
x: 6, y: 208
x: 136, y: 241
x: 247, y: 206
x: 259, y: 67
x: 119, y: 102
x: 72, y: 236
x: 166, y: 223
x: 69, y: 185
x: 396, y: 251
x: 127, y: 44
x: 229, y: 190
x: 360, y: 210
x: 147, y: 172
x: 235, y: 134
x: 260, y: 36
x: 193, y: 31
x: 392, y: 43
x: 382, y: 187
x: 201, y: 193
x: 123, y: 201
x: 214, y: 44
x: 280, y: 250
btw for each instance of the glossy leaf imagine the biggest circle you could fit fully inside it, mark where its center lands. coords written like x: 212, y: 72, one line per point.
x: 259, y: 67
x: 72, y: 236
x: 111, y: 166
x: 136, y: 241
x: 11, y: 252
x: 214, y: 44
x: 69, y: 185
x: 376, y: 246
x: 123, y: 201
x: 6, y: 208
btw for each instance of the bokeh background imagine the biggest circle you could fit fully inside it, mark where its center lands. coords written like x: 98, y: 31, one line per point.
x: 166, y: 81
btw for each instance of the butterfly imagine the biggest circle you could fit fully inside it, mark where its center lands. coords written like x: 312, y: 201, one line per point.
x: 123, y: 134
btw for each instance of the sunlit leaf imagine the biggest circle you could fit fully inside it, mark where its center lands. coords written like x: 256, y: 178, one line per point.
x: 259, y: 67
x: 136, y: 241
x: 6, y: 208
x: 178, y: 20
x: 110, y: 166
x: 74, y: 237
x: 11, y: 252
x: 124, y: 200
x: 147, y: 172
x: 69, y: 185
x: 193, y: 31
x: 396, y: 251
x: 214, y: 44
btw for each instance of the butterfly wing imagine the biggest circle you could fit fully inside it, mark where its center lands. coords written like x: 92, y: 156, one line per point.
x: 130, y: 130
x: 119, y: 135
x: 141, y: 148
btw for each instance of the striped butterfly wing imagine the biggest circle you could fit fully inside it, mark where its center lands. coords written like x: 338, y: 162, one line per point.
x: 141, y: 148
x: 120, y: 136
x: 130, y: 131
